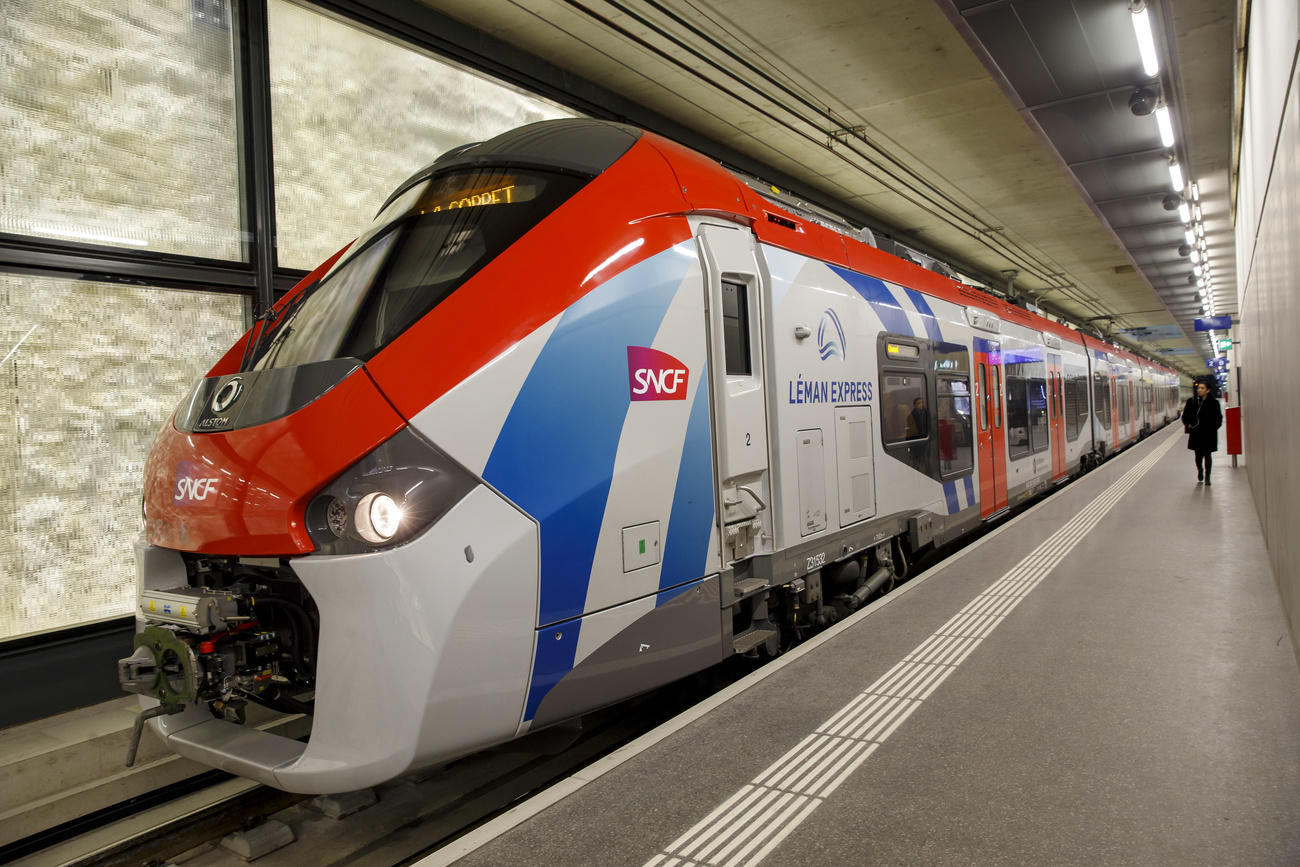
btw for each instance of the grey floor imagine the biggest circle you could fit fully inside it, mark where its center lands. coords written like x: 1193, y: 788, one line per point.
x: 1141, y: 705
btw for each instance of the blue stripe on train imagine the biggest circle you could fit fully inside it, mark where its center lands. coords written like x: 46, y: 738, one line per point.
x: 555, y: 454
x: 882, y: 301
x: 927, y: 315
x: 950, y: 494
x: 690, y: 523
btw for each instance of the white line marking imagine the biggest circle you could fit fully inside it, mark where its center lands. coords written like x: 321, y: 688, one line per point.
x: 776, y: 841
x: 844, y: 775
x: 781, y: 826
x: 851, y: 758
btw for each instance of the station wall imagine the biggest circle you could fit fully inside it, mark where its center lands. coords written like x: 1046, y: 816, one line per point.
x: 1268, y: 257
x: 119, y: 128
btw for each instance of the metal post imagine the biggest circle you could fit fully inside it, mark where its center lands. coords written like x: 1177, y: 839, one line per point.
x: 253, y: 116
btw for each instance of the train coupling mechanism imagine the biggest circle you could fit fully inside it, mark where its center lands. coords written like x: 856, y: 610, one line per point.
x: 219, y: 648
x: 162, y: 667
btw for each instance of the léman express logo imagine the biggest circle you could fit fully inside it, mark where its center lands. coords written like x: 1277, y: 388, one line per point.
x: 830, y: 336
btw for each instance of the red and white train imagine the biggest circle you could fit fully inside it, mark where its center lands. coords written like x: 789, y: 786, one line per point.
x: 581, y: 413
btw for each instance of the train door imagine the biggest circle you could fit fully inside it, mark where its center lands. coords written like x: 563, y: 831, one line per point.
x: 1056, y: 415
x: 1114, y: 410
x: 738, y: 370
x: 991, y: 437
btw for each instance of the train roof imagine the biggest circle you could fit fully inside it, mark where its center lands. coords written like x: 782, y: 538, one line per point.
x: 710, y: 187
x: 588, y: 147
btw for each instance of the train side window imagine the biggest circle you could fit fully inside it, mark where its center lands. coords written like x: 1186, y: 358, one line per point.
x: 735, y: 328
x: 904, y: 415
x: 1101, y: 399
x: 1037, y: 393
x: 1017, y: 416
x: 997, y: 396
x: 1076, y: 405
x: 956, y: 447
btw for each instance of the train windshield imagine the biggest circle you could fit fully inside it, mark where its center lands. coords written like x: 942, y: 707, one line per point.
x: 418, y: 251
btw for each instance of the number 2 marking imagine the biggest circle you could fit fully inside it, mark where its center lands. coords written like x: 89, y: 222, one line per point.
x: 746, y: 439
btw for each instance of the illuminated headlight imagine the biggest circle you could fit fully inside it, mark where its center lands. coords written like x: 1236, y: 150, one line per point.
x: 388, y: 497
x: 378, y: 518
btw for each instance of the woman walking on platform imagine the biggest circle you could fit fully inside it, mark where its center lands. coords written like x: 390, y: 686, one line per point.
x: 1201, y: 421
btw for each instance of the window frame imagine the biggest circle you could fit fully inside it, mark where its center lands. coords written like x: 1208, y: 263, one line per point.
x: 970, y: 444
x: 745, y: 331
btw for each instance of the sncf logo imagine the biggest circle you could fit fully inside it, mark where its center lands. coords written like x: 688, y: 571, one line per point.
x: 193, y: 485
x: 830, y: 336
x: 655, y: 375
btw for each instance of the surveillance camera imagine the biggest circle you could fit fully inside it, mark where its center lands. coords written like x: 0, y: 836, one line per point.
x: 1143, y: 101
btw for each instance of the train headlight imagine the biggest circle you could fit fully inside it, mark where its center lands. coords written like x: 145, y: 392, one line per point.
x: 388, y: 497
x: 378, y: 518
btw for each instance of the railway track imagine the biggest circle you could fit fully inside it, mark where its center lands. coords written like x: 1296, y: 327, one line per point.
x: 415, y: 814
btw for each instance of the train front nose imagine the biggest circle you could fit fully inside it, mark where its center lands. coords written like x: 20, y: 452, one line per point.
x: 329, y: 558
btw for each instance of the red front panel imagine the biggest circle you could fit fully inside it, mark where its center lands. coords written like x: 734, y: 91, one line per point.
x: 246, y: 491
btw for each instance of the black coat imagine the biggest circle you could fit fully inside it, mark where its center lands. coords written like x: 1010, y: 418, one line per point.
x: 1202, y: 419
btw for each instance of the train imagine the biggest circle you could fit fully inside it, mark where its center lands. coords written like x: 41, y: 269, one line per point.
x: 581, y: 413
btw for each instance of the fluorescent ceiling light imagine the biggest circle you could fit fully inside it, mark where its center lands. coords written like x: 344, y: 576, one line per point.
x: 1196, y: 255
x: 1146, y: 42
x: 1196, y: 269
x: 1190, y: 236
x: 1184, y: 213
x: 1165, y: 125
x: 1196, y: 192
x: 1176, y: 176
x: 1197, y: 211
x: 1200, y: 229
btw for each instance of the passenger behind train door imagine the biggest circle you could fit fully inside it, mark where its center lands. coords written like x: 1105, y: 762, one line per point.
x: 1201, y: 420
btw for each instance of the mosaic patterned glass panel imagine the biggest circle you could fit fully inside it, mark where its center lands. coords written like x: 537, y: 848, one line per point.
x: 90, y: 373
x: 117, y: 124
x: 354, y: 115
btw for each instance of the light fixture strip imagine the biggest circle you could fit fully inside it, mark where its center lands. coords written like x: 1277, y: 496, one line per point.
x: 1146, y: 41
x: 1176, y: 175
x: 1166, y: 127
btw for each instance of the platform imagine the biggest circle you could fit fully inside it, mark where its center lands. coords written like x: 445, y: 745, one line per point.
x: 1105, y: 679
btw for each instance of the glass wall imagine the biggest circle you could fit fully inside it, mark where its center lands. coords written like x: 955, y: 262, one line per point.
x: 353, y: 115
x: 117, y: 124
x: 90, y: 373
x: 120, y: 126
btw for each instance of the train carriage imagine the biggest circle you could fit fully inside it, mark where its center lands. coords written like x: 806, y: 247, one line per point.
x: 581, y: 413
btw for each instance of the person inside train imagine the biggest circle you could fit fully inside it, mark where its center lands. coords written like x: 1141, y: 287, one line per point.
x: 1201, y: 420
x: 918, y: 423
x: 918, y: 428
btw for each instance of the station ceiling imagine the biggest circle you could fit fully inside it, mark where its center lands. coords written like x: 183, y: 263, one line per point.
x: 996, y: 133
